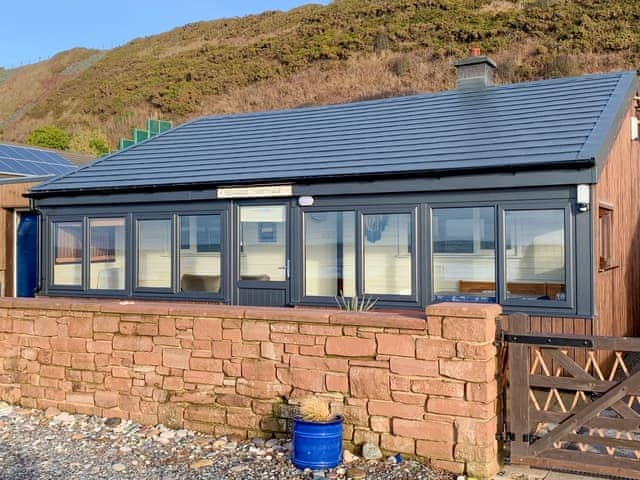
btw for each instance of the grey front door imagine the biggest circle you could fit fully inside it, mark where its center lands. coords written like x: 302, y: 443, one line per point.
x: 263, y: 254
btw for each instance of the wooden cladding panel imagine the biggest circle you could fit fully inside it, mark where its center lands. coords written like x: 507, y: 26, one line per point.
x: 617, y: 299
x: 558, y: 325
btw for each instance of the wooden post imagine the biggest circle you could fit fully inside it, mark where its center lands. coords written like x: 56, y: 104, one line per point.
x: 519, y: 365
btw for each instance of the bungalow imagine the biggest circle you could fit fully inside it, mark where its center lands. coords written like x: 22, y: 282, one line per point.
x: 526, y: 195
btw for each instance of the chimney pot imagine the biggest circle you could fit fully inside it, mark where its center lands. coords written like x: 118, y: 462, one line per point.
x: 475, y: 72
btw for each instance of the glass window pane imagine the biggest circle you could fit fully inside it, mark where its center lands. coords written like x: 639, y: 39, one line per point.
x: 464, y: 255
x: 200, y: 261
x: 107, y: 264
x: 388, y: 244
x: 67, y: 253
x: 154, y: 253
x: 535, y: 254
x: 329, y: 254
x: 263, y: 245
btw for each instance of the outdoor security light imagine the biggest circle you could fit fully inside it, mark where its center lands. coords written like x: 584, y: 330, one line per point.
x: 305, y: 201
x: 583, y: 198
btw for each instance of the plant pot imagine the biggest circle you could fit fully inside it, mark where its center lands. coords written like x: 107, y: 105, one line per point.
x: 317, y: 445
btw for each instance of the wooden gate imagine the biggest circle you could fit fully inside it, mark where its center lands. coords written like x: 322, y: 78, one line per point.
x: 573, y: 402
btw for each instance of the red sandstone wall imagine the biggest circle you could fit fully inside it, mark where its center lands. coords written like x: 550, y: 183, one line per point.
x: 416, y: 386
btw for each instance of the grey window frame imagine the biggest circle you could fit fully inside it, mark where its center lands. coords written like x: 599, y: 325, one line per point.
x: 570, y: 271
x: 49, y: 264
x: 428, y: 258
x: 224, y: 249
x: 301, y: 260
x: 383, y: 300
x: 127, y: 255
x: 172, y: 249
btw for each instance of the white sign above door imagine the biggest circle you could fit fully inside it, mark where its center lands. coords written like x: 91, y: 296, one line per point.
x: 262, y: 191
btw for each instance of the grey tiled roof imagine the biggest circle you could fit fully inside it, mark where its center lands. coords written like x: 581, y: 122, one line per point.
x: 566, y: 122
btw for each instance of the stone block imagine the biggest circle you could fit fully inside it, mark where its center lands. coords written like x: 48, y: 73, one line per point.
x: 469, y: 370
x: 381, y: 424
x: 106, y: 323
x: 271, y: 351
x: 472, y: 431
x: 400, y: 345
x: 258, y: 369
x: 371, y: 383
x: 83, y: 361
x: 413, y: 367
x: 206, y: 364
x: 45, y: 326
x: 221, y: 349
x: 394, y: 409
x: 307, y: 380
x: 469, y: 329
x: 394, y: 444
x: 423, y: 430
x: 442, y: 388
x: 52, y: 371
x: 323, y: 330
x: 351, y: 347
x: 207, y: 328
x: 261, y: 390
x: 435, y: 348
x: 102, y: 346
x: 106, y: 399
x: 175, y: 358
x: 482, y: 392
x: 132, y: 343
x: 434, y: 450
x: 81, y: 327
x: 461, y: 408
x: 147, y: 358
x: 253, y: 331
x: 337, y: 382
x: 71, y: 345
x: 204, y: 378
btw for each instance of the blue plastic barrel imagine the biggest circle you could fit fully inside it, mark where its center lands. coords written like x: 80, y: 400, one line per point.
x: 317, y: 445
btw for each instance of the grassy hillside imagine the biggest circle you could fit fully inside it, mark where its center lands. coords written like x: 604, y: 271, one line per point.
x: 348, y: 50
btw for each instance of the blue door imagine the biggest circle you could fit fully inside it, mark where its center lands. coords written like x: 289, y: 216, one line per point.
x: 27, y: 255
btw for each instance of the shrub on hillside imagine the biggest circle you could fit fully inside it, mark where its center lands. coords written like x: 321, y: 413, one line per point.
x: 93, y: 142
x: 50, y: 137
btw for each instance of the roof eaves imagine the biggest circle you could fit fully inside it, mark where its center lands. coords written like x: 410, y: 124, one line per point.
x: 568, y: 164
x: 604, y: 132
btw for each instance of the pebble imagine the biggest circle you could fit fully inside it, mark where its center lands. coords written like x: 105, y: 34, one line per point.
x: 371, y: 451
x: 348, y: 457
x: 80, y: 447
x: 201, y: 464
x: 51, y: 412
x: 356, y: 474
x: 112, y: 422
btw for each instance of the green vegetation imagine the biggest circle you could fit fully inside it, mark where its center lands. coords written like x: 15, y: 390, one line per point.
x: 91, y: 141
x: 50, y: 137
x: 200, y: 68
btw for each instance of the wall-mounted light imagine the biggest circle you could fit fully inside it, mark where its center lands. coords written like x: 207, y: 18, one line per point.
x: 305, y: 201
x: 583, y: 198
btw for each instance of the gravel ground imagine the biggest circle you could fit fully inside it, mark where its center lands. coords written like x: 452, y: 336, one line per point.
x: 36, y: 445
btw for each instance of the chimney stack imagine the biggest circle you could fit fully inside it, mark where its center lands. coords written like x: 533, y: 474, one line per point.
x: 475, y: 72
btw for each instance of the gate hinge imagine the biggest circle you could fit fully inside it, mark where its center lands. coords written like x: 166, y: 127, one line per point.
x: 511, y: 437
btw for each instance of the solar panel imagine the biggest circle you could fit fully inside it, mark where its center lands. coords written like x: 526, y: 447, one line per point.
x: 32, y: 161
